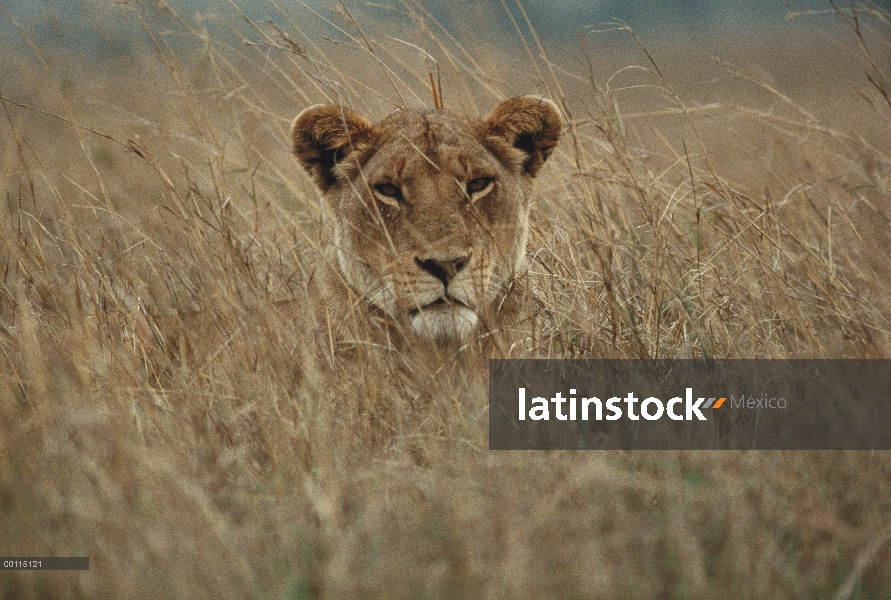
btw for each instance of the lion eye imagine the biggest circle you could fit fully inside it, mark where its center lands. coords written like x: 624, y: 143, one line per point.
x: 479, y: 187
x: 388, y: 194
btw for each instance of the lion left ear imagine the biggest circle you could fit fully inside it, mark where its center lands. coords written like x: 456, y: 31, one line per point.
x: 530, y: 124
x: 323, y: 135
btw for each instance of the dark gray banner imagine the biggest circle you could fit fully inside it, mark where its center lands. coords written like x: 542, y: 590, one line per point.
x: 690, y: 404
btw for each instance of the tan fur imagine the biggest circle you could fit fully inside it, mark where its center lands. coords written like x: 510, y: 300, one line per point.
x: 429, y: 209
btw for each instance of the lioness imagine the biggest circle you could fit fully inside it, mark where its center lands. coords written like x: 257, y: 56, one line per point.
x: 429, y: 208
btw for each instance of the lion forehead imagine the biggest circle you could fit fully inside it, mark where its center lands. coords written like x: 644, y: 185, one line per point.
x: 417, y: 147
x: 434, y: 125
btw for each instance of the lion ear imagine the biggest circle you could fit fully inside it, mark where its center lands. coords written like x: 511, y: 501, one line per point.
x: 322, y: 135
x: 530, y: 124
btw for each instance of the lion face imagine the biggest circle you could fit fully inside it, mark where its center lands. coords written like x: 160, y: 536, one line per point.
x: 430, y: 208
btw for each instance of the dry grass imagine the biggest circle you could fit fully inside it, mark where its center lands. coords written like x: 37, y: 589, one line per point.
x: 162, y: 415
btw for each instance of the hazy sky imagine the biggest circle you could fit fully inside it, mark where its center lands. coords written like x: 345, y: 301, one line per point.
x: 91, y: 27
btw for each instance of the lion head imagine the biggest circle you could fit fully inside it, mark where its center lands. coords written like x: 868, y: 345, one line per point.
x: 429, y: 207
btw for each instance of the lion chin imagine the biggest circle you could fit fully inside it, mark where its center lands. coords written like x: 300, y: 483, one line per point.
x: 443, y: 324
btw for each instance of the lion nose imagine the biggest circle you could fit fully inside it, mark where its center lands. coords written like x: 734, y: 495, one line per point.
x: 444, y: 268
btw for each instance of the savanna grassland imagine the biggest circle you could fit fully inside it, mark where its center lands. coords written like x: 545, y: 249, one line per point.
x: 168, y: 406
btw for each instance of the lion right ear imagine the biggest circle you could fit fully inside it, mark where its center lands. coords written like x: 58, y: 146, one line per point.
x: 323, y: 135
x: 528, y: 123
